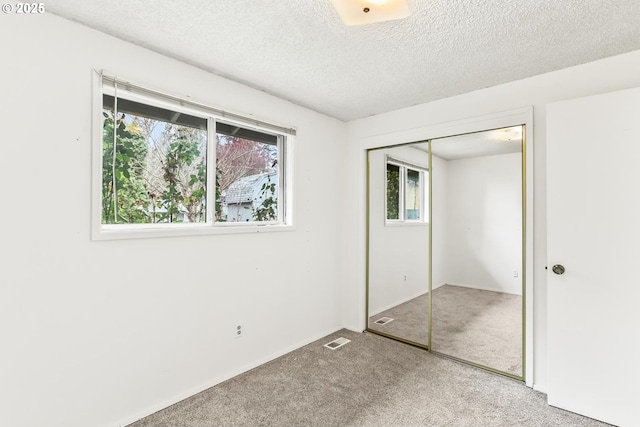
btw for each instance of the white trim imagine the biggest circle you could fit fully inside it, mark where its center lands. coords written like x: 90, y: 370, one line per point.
x: 185, y: 231
x: 397, y: 303
x: 402, y: 301
x: 282, y: 182
x: 541, y: 388
x: 211, y: 177
x: 484, y: 288
x: 529, y: 246
x: 457, y: 127
x: 407, y: 223
x: 217, y: 380
x: 96, y: 157
x: 398, y: 162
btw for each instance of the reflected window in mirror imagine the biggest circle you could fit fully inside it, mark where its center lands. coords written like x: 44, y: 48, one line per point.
x: 406, y: 192
x: 413, y: 199
x: 393, y: 191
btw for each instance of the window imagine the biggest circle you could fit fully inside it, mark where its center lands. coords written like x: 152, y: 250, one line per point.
x: 394, y: 184
x: 168, y: 163
x: 406, y: 192
x: 412, y: 197
x: 247, y: 175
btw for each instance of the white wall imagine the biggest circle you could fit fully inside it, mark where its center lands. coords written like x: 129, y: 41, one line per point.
x: 440, y: 201
x: 97, y: 333
x: 602, y: 76
x: 483, y: 233
x: 396, y: 251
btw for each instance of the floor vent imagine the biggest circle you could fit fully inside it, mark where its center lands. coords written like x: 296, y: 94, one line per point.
x: 383, y: 320
x: 339, y: 342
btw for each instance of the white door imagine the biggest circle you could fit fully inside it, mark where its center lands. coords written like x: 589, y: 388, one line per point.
x: 593, y: 219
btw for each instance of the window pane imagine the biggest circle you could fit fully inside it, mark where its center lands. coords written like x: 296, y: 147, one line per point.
x: 247, y: 175
x: 157, y: 171
x: 412, y: 195
x: 393, y: 191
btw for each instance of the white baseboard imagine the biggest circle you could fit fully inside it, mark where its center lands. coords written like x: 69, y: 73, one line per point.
x: 486, y: 288
x: 396, y: 303
x: 402, y: 301
x: 217, y: 380
x: 541, y: 388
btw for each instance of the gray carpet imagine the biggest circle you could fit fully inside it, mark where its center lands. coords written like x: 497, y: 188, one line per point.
x: 372, y: 381
x: 410, y: 320
x: 480, y: 326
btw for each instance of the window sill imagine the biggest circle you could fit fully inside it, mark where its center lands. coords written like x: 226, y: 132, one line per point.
x: 181, y: 231
x: 406, y: 224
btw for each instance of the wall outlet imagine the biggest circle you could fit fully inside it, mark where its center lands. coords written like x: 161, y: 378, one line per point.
x: 405, y: 278
x: 515, y: 273
x: 238, y: 331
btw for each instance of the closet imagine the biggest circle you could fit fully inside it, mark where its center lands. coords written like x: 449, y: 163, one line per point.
x: 446, y: 253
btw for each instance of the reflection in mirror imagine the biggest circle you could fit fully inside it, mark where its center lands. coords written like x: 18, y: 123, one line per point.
x: 398, y: 239
x: 477, y: 248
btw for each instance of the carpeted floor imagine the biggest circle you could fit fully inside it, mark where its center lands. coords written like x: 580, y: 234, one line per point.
x: 372, y: 381
x: 476, y: 325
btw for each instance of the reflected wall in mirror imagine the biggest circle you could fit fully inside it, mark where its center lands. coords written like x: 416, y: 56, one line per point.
x: 398, y: 242
x: 477, y: 246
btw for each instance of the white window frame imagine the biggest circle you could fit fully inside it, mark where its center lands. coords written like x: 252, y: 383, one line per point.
x: 133, y: 92
x: 402, y: 211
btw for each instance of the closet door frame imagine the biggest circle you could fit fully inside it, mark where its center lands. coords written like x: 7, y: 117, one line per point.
x: 520, y: 116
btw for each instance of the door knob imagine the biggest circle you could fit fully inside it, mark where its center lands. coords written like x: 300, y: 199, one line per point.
x: 558, y: 269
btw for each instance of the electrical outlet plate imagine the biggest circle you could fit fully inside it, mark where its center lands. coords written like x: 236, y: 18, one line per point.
x: 238, y: 331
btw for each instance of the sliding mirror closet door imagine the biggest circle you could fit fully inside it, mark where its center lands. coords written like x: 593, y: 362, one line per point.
x: 398, y: 242
x: 477, y: 245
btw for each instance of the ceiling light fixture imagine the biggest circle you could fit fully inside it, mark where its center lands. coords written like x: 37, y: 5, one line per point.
x: 362, y: 12
x: 509, y: 134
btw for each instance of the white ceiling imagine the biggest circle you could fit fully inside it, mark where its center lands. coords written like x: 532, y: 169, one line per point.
x: 479, y: 144
x: 476, y: 144
x: 300, y: 50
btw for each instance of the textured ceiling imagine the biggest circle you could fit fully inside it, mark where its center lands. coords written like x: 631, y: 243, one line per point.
x: 300, y: 50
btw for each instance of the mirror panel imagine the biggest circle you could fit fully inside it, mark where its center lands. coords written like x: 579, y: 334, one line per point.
x: 477, y: 248
x: 398, y: 242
